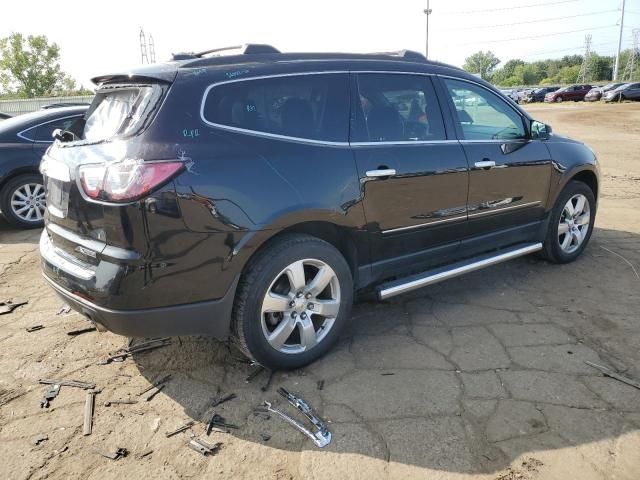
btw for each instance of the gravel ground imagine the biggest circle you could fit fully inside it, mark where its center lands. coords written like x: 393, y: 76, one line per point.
x: 480, y: 377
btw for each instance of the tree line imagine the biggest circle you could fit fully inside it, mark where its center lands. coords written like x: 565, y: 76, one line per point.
x: 565, y: 70
x: 30, y: 67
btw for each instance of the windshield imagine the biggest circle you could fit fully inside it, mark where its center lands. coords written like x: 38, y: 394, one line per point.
x: 563, y: 89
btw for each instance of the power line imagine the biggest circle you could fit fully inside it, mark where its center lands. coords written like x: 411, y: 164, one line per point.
x: 532, y: 21
x: 536, y: 36
x: 571, y: 49
x: 461, y: 12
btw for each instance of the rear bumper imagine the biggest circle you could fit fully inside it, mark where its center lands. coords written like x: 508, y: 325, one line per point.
x: 203, y: 318
x: 211, y: 317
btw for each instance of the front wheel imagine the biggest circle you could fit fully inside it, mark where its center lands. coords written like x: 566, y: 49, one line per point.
x: 571, y: 223
x: 559, y: 99
x: 292, y: 302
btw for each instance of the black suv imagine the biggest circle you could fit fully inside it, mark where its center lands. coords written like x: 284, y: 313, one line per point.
x: 251, y: 193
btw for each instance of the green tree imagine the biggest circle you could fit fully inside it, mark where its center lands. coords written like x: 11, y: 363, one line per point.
x: 29, y: 66
x: 600, y: 68
x: 482, y: 63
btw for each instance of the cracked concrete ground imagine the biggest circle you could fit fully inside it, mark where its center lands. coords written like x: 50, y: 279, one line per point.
x: 480, y: 377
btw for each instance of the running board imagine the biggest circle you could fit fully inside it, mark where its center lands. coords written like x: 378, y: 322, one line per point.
x: 430, y: 277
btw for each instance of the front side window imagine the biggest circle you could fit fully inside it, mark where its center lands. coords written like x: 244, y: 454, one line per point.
x: 396, y: 108
x: 312, y: 106
x: 483, y: 115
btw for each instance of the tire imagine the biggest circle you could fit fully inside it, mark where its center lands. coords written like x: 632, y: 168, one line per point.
x: 562, y: 247
x: 23, y: 202
x: 306, y: 335
x: 559, y: 99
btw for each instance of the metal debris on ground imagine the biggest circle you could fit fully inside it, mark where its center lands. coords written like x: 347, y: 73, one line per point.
x: 320, y: 384
x: 156, y: 391
x: 321, y: 437
x: 113, y: 455
x: 75, y: 333
x: 218, y: 422
x: 64, y: 310
x: 386, y: 374
x: 49, y: 395
x: 265, y: 437
x: 124, y: 353
x: 38, y: 439
x: 67, y: 383
x: 89, y: 405
x: 221, y: 400
x: 257, y: 370
x: 261, y: 412
x: 267, y: 384
x: 108, y: 403
x: 181, y: 428
x: 155, y: 384
x: 8, y: 306
x: 607, y: 372
x: 203, y: 447
x: 146, y: 453
x: 35, y: 328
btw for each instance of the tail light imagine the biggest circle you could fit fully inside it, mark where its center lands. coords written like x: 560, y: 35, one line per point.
x: 125, y: 181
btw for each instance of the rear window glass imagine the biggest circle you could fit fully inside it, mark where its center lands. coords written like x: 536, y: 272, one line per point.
x: 306, y: 106
x: 119, y: 111
x: 44, y: 133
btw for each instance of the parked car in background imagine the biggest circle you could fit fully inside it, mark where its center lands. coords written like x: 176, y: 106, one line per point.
x: 510, y: 93
x: 250, y: 193
x: 596, y: 93
x: 572, y: 92
x: 23, y: 141
x: 538, y: 94
x: 628, y: 91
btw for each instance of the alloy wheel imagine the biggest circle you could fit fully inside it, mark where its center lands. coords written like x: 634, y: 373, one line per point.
x: 300, y: 306
x: 574, y: 223
x: 28, y: 202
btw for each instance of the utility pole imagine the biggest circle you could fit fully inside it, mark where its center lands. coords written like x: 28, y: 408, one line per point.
x: 584, y: 74
x: 617, y: 64
x: 143, y: 47
x: 427, y: 12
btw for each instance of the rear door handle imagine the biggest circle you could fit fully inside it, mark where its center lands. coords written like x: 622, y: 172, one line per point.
x: 382, y: 172
x: 485, y: 164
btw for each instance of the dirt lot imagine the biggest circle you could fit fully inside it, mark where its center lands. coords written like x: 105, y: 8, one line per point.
x: 478, y: 377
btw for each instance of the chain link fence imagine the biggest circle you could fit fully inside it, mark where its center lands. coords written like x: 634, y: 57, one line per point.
x: 26, y: 105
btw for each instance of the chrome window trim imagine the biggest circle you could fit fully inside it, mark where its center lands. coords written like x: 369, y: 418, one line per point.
x: 402, y: 142
x: 502, y: 209
x: 21, y: 132
x: 420, y: 225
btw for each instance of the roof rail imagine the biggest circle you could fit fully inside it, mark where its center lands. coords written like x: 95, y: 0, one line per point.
x: 407, y: 54
x: 246, y: 49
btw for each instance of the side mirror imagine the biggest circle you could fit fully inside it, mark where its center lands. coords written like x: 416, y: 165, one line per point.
x: 539, y: 130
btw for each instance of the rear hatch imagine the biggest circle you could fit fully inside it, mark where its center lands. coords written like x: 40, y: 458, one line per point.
x: 80, y: 222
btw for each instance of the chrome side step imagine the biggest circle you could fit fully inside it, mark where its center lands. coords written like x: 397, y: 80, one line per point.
x: 430, y: 277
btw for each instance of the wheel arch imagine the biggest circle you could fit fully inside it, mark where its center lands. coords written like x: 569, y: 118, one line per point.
x: 16, y: 173
x: 338, y: 236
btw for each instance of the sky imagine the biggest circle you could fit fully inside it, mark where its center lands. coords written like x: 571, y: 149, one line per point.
x: 103, y: 37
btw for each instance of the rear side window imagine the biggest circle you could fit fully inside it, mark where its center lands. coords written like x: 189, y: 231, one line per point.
x: 396, y: 108
x: 312, y: 106
x: 482, y: 115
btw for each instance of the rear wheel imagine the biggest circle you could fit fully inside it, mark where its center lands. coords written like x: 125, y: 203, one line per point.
x: 23, y: 201
x: 571, y: 223
x: 292, y: 302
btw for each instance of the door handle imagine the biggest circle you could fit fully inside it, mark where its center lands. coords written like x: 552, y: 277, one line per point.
x: 381, y: 172
x: 485, y: 164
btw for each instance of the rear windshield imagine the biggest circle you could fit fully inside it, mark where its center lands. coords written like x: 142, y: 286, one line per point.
x: 120, y: 110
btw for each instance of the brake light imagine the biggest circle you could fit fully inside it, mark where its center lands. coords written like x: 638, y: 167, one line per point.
x: 127, y: 180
